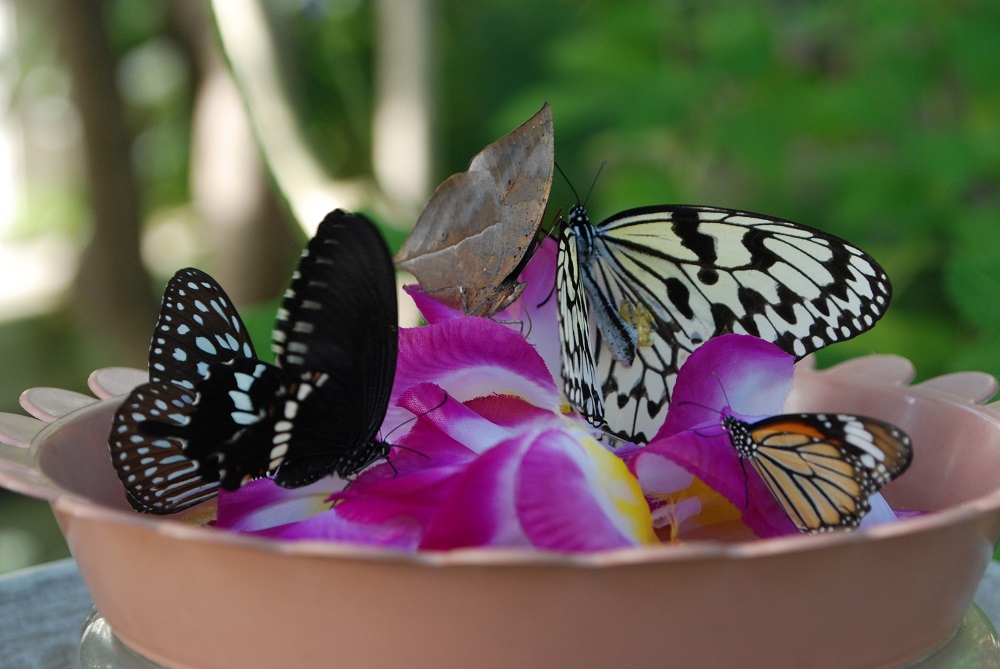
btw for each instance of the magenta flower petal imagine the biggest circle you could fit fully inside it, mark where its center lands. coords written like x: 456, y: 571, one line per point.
x: 748, y: 374
x: 330, y: 526
x: 423, y: 447
x: 413, y: 498
x: 657, y: 472
x: 735, y: 375
x: 533, y: 314
x: 432, y: 310
x: 714, y: 461
x: 563, y: 513
x: 452, y: 418
x: 511, y: 412
x: 509, y: 497
x: 536, y: 313
x: 263, y: 503
x: 469, y: 358
x: 479, y: 508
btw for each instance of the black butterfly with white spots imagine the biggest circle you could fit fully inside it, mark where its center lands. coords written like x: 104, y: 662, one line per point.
x: 213, y: 415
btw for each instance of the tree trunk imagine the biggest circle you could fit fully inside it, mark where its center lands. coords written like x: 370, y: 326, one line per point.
x: 112, y: 295
x: 252, y: 241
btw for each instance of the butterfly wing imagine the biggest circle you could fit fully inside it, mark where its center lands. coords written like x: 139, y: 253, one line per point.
x: 478, y: 229
x: 578, y: 372
x: 671, y: 277
x: 337, y: 332
x: 157, y: 476
x: 822, y: 468
x: 198, y: 327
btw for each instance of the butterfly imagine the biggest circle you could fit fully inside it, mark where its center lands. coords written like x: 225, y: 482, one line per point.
x: 659, y: 281
x: 214, y: 415
x: 478, y: 230
x: 822, y: 468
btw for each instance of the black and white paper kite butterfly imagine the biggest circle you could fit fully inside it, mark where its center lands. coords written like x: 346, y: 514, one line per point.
x: 641, y: 290
x: 213, y: 415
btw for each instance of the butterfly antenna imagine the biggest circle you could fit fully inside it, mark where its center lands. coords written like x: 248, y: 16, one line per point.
x: 547, y: 298
x: 405, y: 422
x: 407, y: 448
x: 706, y: 408
x: 699, y: 405
x: 388, y: 461
x: 746, y: 484
x: 440, y: 404
x: 557, y: 221
x: 593, y: 183
x: 527, y: 314
x: 410, y: 450
x: 723, y: 388
x: 568, y: 183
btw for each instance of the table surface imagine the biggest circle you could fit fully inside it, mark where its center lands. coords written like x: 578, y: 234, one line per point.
x: 43, y: 609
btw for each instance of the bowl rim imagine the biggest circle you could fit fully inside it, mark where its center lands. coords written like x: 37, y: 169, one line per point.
x: 74, y: 504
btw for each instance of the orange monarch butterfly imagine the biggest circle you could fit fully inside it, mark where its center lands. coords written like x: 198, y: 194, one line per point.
x: 822, y: 468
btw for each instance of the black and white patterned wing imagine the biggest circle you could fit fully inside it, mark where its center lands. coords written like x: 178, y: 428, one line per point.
x: 579, y: 375
x: 675, y: 276
x: 157, y: 476
x: 232, y: 431
x: 198, y: 326
x: 337, y: 332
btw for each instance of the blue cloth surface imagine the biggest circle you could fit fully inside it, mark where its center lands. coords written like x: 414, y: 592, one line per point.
x: 42, y: 609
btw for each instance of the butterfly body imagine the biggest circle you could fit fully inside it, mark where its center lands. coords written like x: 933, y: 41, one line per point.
x: 657, y: 282
x: 213, y: 415
x: 822, y: 468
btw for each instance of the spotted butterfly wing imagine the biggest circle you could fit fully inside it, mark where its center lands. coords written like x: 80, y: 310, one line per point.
x: 198, y: 327
x: 822, y: 468
x: 662, y: 280
x: 314, y: 413
x: 317, y: 411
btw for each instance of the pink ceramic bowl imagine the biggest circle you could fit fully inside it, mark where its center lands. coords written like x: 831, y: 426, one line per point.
x: 188, y: 596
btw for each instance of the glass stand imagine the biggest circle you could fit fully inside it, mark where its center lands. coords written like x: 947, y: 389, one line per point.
x: 101, y: 649
x: 975, y: 645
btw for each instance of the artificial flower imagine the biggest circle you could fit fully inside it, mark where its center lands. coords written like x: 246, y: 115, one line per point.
x: 732, y: 375
x: 534, y: 314
x: 486, y: 459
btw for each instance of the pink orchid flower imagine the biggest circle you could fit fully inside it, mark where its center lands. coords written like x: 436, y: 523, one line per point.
x: 487, y: 459
x: 731, y: 375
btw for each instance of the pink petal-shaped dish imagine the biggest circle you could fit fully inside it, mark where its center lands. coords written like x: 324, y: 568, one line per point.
x: 188, y: 596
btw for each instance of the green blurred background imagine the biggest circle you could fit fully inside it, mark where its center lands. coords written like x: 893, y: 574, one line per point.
x: 141, y: 136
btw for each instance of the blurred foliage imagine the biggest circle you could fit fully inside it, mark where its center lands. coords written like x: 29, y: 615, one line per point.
x: 876, y: 121
x: 327, y: 68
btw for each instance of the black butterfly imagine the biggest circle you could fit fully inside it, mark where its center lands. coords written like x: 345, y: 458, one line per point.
x: 660, y: 281
x: 214, y: 415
